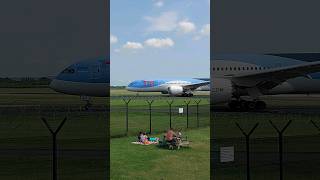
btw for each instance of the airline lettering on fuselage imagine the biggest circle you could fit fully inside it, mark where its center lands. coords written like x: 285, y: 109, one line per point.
x: 148, y: 83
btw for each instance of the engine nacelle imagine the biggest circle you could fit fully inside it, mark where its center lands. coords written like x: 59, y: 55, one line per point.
x: 222, y: 90
x: 175, y: 90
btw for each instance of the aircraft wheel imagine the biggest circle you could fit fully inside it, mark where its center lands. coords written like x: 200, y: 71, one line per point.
x: 234, y: 105
x: 244, y: 105
x: 260, y: 105
x: 251, y: 105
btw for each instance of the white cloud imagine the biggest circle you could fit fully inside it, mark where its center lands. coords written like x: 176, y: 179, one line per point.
x: 186, y: 26
x: 159, y: 3
x: 113, y: 39
x: 159, y: 43
x: 205, y: 31
x: 117, y: 50
x: 167, y: 21
x: 133, y: 45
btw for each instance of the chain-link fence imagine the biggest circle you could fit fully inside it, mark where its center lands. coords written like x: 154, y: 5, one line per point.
x: 154, y: 115
x: 28, y: 149
x: 265, y: 146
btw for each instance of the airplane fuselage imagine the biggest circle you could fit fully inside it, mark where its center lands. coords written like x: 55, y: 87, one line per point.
x: 305, y: 84
x: 166, y: 86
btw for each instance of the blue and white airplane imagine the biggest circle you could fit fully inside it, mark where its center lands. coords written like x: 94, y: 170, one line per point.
x: 237, y: 79
x: 86, y: 78
x: 174, y: 87
x: 241, y: 79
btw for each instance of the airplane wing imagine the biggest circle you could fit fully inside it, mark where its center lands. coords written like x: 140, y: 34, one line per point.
x: 203, y: 79
x: 267, y: 79
x: 196, y: 85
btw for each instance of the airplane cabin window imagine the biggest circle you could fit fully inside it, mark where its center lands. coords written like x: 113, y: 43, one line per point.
x: 213, y: 69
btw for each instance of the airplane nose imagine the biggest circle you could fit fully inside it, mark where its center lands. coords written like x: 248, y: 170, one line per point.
x: 53, y: 84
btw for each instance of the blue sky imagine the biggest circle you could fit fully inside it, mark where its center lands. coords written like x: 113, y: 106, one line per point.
x: 159, y: 39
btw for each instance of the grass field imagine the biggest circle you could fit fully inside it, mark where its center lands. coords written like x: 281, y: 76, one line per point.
x: 129, y: 161
x: 300, y: 143
x: 25, y: 142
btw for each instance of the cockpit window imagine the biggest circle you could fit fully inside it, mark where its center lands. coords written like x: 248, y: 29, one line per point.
x: 68, y: 71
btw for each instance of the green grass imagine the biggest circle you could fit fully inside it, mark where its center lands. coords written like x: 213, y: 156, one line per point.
x: 23, y: 129
x: 130, y: 161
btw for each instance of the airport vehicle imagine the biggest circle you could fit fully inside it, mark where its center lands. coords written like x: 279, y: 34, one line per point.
x: 174, y: 87
x: 241, y: 79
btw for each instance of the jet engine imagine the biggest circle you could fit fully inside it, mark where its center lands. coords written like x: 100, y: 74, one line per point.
x: 222, y: 90
x: 175, y: 90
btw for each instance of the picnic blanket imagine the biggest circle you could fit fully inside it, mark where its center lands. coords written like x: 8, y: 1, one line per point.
x: 141, y: 143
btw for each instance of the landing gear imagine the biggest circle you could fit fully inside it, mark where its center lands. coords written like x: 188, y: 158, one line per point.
x: 88, y: 105
x: 187, y: 95
x: 87, y: 100
x: 260, y: 105
x: 242, y: 105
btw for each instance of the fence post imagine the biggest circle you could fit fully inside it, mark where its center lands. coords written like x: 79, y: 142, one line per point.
x: 280, y: 136
x: 54, y: 145
x: 187, y: 104
x: 150, y: 111
x: 247, y: 135
x: 127, y: 101
x: 170, y: 111
x: 197, y: 102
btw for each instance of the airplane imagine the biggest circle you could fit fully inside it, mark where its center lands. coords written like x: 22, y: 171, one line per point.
x: 242, y: 79
x: 87, y: 78
x: 173, y: 87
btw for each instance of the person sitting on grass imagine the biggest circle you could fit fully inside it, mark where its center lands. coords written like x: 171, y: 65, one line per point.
x: 140, y: 137
x: 145, y: 139
x: 170, y: 136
